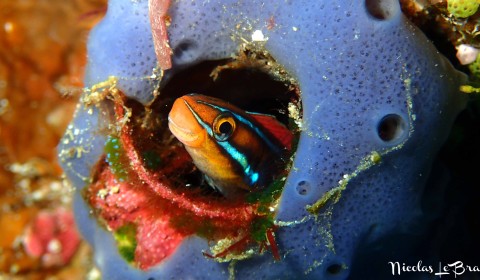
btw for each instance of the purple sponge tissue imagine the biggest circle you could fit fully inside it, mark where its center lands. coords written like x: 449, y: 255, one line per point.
x: 375, y: 103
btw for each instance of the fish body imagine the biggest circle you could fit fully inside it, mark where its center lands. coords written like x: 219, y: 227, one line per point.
x: 231, y: 147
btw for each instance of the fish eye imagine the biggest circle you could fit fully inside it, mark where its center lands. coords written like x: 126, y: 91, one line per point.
x: 223, y: 126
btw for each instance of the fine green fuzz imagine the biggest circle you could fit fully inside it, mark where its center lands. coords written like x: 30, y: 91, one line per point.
x: 188, y: 224
x: 206, y: 230
x: 151, y: 159
x: 114, y: 155
x: 268, y: 195
x: 469, y: 89
x: 463, y: 8
x: 259, y: 228
x: 475, y: 67
x: 126, y: 241
x: 265, y: 199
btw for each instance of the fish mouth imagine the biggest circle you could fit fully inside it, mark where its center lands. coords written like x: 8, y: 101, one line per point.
x: 186, y: 136
x: 183, y: 124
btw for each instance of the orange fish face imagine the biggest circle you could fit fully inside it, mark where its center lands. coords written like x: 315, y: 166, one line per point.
x: 189, y: 118
x: 226, y: 143
x: 183, y: 124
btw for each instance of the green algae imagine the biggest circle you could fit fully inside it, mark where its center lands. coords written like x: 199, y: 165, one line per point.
x: 474, y: 67
x: 267, y: 196
x: 126, y: 240
x: 115, y: 158
x: 463, y: 8
x: 259, y: 228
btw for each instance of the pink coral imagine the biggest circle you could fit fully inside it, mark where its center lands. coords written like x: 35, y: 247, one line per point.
x: 52, y: 236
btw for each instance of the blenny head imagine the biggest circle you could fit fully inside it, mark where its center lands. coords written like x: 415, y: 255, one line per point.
x: 191, y: 120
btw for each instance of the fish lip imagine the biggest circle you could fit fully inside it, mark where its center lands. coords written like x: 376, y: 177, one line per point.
x: 186, y: 136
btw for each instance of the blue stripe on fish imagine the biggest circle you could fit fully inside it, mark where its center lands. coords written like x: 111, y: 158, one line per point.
x: 238, y: 157
x: 248, y: 123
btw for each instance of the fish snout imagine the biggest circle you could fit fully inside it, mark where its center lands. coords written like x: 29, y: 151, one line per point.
x: 183, y: 124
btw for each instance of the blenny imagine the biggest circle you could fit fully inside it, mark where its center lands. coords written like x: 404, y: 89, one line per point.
x: 233, y: 148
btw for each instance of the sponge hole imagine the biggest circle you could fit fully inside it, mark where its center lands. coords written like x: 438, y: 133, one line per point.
x: 336, y: 270
x: 391, y: 128
x: 303, y: 188
x: 186, y: 50
x: 382, y: 9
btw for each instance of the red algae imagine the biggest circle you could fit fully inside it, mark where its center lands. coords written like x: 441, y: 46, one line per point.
x: 122, y: 204
x: 162, y: 212
x: 156, y: 202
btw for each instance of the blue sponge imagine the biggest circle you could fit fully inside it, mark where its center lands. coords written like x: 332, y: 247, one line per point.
x: 362, y: 69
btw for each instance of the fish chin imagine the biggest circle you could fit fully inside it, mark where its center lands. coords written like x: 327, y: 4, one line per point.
x: 186, y: 136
